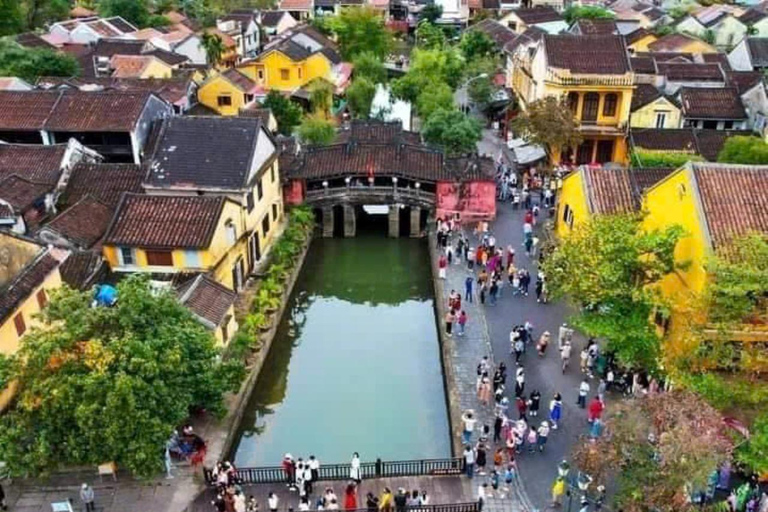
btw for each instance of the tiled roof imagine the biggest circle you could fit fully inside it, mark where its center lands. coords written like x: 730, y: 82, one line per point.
x: 654, y: 139
x: 241, y: 81
x: 538, y: 15
x: 84, y: 223
x: 752, y: 16
x: 6, y: 212
x: 717, y: 58
x: 597, y: 26
x: 289, y: 157
x: 758, y: 51
x: 734, y: 199
x: 500, y: 34
x: 129, y: 66
x: 637, y: 35
x: 105, y: 182
x: 207, y: 299
x: 81, y: 269
x: 666, y: 56
x: 744, y: 80
x: 654, y: 13
x: 71, y: 111
x: 672, y: 43
x: 172, y: 90
x: 710, y: 142
x: 25, y: 282
x: 587, y: 54
x: 21, y: 193
x: 693, y: 72
x: 31, y: 40
x: 643, y: 178
x: 378, y: 132
x: 644, y: 94
x: 609, y: 191
x: 170, y: 58
x: 296, y: 5
x: 382, y: 159
x: 271, y: 18
x: 704, y: 103
x: 643, y: 65
x: 165, y: 222
x: 107, y: 47
x: 41, y: 164
x: 184, y: 154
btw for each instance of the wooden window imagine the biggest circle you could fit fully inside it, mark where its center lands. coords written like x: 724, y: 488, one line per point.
x: 265, y: 225
x: 249, y: 201
x: 300, y: 73
x: 573, y: 102
x: 274, y: 212
x: 604, y: 151
x: 589, y: 110
x: 609, y: 104
x: 259, y: 190
x: 42, y: 298
x: 224, y: 101
x: 231, y: 232
x: 159, y: 258
x: 285, y: 74
x: 18, y: 322
x: 260, y: 74
x: 272, y: 173
x: 661, y: 119
x: 126, y: 256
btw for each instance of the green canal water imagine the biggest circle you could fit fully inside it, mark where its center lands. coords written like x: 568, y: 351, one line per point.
x: 355, y: 365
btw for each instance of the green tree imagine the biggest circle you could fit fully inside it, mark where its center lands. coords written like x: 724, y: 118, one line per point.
x: 369, y: 66
x: 652, y: 158
x: 134, y: 11
x: 214, y: 48
x: 550, y: 123
x: 431, y: 12
x: 321, y: 96
x: 287, y: 113
x: 110, y: 384
x: 754, y: 453
x: 659, y: 449
x: 438, y: 97
x: 453, y: 131
x: 430, y: 36
x: 361, y: 30
x: 481, y: 91
x: 475, y: 45
x: 608, y: 266
x: 32, y: 63
x: 744, y: 150
x: 428, y: 69
x: 11, y: 21
x: 40, y: 12
x: 360, y: 95
x: 316, y: 130
x: 577, y: 12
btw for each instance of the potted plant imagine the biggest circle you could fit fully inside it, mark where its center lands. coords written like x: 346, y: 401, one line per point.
x: 258, y: 322
x: 272, y: 286
x: 266, y: 302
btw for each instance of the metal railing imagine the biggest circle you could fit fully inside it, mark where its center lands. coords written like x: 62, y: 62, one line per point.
x: 399, y: 193
x: 368, y: 470
x: 447, y: 507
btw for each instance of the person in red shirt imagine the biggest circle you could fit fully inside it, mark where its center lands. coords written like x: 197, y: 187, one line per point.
x: 529, y: 217
x: 595, y: 411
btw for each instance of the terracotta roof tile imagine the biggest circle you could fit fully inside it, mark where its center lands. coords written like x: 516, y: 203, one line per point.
x: 536, y: 15
x: 710, y: 142
x: 129, y: 66
x: 296, y: 5
x: 693, y: 72
x: 97, y: 111
x: 500, y: 34
x: 609, y: 191
x: 81, y: 269
x: 758, y: 51
x: 244, y: 83
x: 105, y: 182
x: 83, y: 223
x: 597, y: 26
x: 587, y: 54
x: 744, y: 80
x: 26, y: 110
x: 25, y: 282
x: 21, y: 193
x: 643, y: 65
x: 37, y: 163
x: 734, y: 199
x: 672, y: 42
x: 653, y: 139
x: 107, y: 47
x: 704, y: 103
x: 643, y: 95
x: 207, y: 299
x: 31, y: 40
x: 378, y: 132
x: 165, y: 222
x: 643, y: 178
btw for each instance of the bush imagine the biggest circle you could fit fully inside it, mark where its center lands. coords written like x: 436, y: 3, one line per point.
x: 744, y: 150
x: 644, y: 158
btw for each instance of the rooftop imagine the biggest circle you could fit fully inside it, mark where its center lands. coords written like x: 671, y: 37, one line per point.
x: 207, y: 299
x: 690, y: 72
x: 83, y: 223
x: 718, y: 103
x: 21, y: 193
x: 37, y: 163
x: 600, y: 54
x: 672, y: 43
x: 105, y: 182
x: 536, y: 15
x: 500, y: 34
x: 81, y: 269
x: 588, y: 26
x: 758, y: 51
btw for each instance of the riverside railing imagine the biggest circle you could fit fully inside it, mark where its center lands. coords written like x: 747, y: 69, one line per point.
x: 447, y: 507
x: 378, y: 469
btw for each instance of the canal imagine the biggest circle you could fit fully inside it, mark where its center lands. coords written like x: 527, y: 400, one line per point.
x: 355, y: 365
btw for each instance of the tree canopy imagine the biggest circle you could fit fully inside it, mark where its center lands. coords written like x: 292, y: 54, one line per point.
x: 11, y: 18
x: 662, y: 447
x: 360, y: 30
x: 550, y: 123
x: 371, y: 67
x: 31, y: 63
x: 431, y: 12
x: 360, y: 96
x: 476, y: 45
x: 608, y: 266
x: 133, y: 11
x: 214, y: 48
x: 577, y: 12
x: 100, y: 384
x: 429, y: 36
x: 438, y: 97
x: 428, y: 68
x: 744, y: 150
x: 453, y: 131
x: 287, y: 113
x: 316, y: 130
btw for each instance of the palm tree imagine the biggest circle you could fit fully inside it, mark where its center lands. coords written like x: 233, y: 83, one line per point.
x: 214, y: 48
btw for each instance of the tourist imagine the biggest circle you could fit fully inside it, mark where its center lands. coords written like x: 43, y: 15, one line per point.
x: 509, y: 475
x: 484, y: 391
x: 595, y: 411
x: 543, y: 434
x: 493, y: 291
x: 558, y: 489
x: 565, y: 354
x: 253, y: 505
x: 272, y: 502
x: 470, y: 259
x: 584, y: 357
x: 329, y: 497
x: 450, y: 317
x: 371, y: 502
x: 480, y: 457
x: 468, y: 420
x: 424, y: 499
x: 468, y: 282
x: 304, y: 504
x: 218, y: 503
x: 299, y: 478
x: 539, y: 286
x: 541, y: 346
x: 483, y: 290
x: 350, y: 497
x: 517, y: 344
x: 413, y: 500
x: 498, y: 459
x: 385, y: 500
x: 462, y: 322
x: 401, y: 500
x: 596, y: 428
x: 503, y: 406
x: 522, y: 407
x: 533, y: 439
x: 442, y: 263
x: 520, y: 382
x: 354, y: 471
x: 289, y: 468
x: 469, y: 461
x: 533, y: 402
x: 483, y: 366
x: 239, y: 501
x: 601, y: 389
x: 88, y: 497
x: 525, y: 281
x: 510, y: 257
x: 583, y: 391
x: 334, y: 505
x: 495, y: 480
x: 515, y: 283
x: 314, y: 468
x: 555, y: 410
x: 481, y: 495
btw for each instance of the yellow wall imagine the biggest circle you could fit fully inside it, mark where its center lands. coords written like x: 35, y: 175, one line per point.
x: 641, y: 45
x: 231, y: 328
x: 157, y: 69
x: 209, y: 92
x: 645, y: 117
x: 299, y: 73
x: 573, y: 195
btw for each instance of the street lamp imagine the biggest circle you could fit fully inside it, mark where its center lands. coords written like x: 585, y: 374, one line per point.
x: 394, y: 182
x: 348, y: 180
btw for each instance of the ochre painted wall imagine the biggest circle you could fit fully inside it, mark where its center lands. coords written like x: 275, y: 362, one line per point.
x: 475, y: 200
x: 573, y: 196
x: 641, y: 45
x: 298, y: 73
x: 208, y: 94
x: 157, y: 69
x: 645, y: 117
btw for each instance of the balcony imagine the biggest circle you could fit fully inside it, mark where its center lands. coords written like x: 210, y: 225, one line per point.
x: 565, y: 78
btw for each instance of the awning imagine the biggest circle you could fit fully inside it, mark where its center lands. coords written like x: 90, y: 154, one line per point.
x: 526, y: 153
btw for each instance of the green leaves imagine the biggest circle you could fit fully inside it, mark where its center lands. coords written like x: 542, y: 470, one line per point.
x: 550, y: 123
x: 110, y: 384
x: 744, y: 150
x: 360, y: 30
x: 360, y: 96
x: 30, y: 64
x: 452, y: 130
x: 287, y: 114
x: 317, y: 131
x: 577, y: 12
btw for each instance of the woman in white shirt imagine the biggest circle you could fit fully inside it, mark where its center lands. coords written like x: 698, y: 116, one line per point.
x: 354, y: 472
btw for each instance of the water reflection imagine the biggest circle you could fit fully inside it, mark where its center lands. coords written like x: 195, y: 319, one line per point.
x: 355, y: 365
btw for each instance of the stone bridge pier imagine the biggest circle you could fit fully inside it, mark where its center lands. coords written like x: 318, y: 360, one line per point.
x: 349, y: 214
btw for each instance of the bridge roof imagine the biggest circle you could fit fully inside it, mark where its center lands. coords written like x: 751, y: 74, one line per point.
x: 341, y: 160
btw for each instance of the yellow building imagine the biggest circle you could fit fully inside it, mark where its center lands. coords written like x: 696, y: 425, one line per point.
x: 232, y: 157
x: 28, y: 273
x: 228, y: 92
x: 652, y: 109
x: 639, y: 40
x: 139, y: 66
x: 682, y: 43
x: 593, y: 73
x: 293, y: 60
x: 212, y: 304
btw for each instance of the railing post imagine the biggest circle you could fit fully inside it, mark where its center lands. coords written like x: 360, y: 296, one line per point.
x: 378, y: 467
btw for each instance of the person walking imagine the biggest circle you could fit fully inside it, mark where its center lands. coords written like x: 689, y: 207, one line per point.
x: 543, y: 435
x: 462, y: 322
x: 450, y: 317
x: 534, y: 402
x: 583, y: 391
x: 272, y: 502
x: 565, y: 354
x: 595, y: 410
x: 498, y: 422
x: 518, y: 345
x: 520, y: 382
x: 558, y: 490
x: 350, y: 497
x: 522, y: 407
x: 484, y: 391
x: 314, y: 468
x: 533, y: 440
x: 88, y: 497
x: 385, y: 500
x: 541, y: 346
x: 469, y: 461
x: 525, y: 282
x: 354, y: 470
x: 468, y: 421
x: 493, y: 292
x: 371, y: 502
x: 442, y: 264
x: 481, y: 457
x: 555, y: 410
x: 468, y: 282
